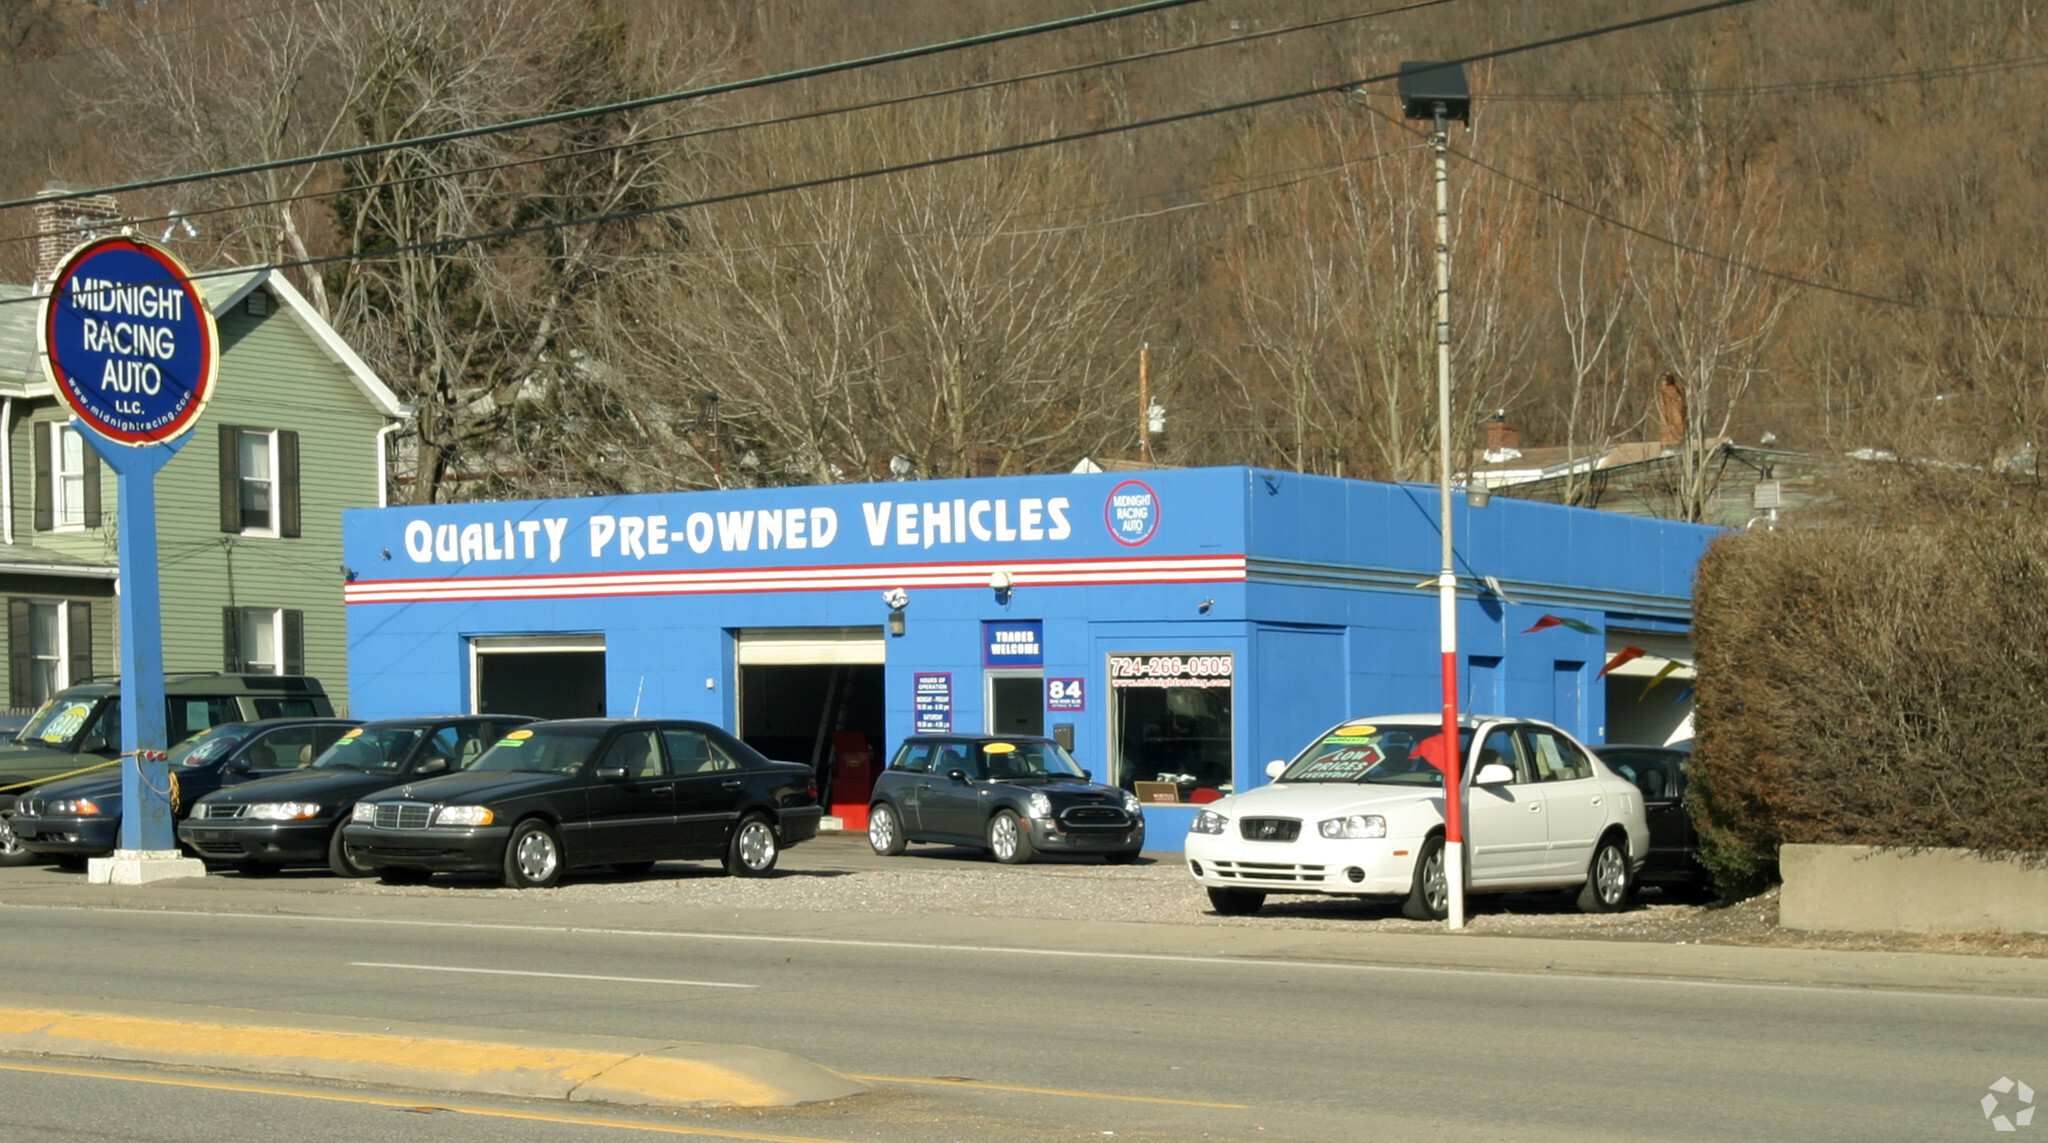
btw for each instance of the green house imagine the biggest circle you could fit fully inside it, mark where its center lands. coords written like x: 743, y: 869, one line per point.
x: 248, y: 513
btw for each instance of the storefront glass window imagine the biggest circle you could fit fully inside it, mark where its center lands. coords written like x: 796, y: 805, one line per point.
x: 1171, y: 721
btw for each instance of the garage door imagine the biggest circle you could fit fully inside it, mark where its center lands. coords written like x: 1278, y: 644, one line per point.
x: 546, y: 676
x: 811, y: 646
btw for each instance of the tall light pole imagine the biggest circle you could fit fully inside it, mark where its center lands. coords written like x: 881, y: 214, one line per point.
x: 1438, y: 93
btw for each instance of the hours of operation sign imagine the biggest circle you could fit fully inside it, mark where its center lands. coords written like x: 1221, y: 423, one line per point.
x: 129, y: 341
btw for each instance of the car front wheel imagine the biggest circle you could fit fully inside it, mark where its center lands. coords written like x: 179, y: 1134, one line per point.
x: 533, y: 858
x: 338, y: 860
x: 885, y: 831
x: 753, y: 849
x: 1608, y: 883
x: 1236, y: 902
x: 1429, y: 895
x: 1008, y: 839
x: 12, y: 852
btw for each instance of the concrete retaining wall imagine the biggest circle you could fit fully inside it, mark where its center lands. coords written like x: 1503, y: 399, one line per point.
x: 1855, y: 888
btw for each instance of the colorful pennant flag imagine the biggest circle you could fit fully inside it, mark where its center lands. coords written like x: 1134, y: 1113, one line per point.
x: 1661, y: 675
x: 1431, y: 750
x: 1624, y: 655
x: 1549, y: 621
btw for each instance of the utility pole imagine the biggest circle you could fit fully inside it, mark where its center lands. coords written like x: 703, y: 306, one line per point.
x: 1145, y: 402
x: 1438, y: 93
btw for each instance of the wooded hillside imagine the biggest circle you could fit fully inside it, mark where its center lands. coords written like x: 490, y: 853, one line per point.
x: 1821, y: 218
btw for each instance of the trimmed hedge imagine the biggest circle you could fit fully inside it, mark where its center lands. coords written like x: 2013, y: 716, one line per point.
x: 1871, y: 687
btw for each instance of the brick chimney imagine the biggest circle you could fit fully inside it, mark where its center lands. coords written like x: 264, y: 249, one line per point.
x: 1670, y: 412
x: 62, y: 226
x: 1502, y: 434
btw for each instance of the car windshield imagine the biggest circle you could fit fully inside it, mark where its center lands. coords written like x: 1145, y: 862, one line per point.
x: 59, y: 720
x: 207, y: 746
x: 1362, y: 752
x: 371, y: 749
x: 1028, y: 760
x: 549, y: 751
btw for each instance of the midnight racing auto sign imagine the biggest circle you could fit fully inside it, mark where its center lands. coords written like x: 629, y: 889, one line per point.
x: 128, y: 341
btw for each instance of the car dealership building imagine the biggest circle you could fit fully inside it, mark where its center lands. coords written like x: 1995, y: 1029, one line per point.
x: 1179, y: 628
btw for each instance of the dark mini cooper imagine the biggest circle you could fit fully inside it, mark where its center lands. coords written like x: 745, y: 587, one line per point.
x: 591, y: 791
x: 77, y: 818
x: 296, y: 818
x: 1013, y: 796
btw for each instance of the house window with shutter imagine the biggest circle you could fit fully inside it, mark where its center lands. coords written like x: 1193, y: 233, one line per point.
x: 67, y: 479
x: 264, y: 641
x: 50, y: 648
x: 259, y: 481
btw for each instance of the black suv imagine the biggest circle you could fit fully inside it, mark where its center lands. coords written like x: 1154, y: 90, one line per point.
x: 80, y: 728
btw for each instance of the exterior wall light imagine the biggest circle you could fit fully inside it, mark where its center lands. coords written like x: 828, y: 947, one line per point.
x: 897, y: 599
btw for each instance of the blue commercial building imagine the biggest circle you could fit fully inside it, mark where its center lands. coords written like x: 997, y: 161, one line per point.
x: 1179, y: 627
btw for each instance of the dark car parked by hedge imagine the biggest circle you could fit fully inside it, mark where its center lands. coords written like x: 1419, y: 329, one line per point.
x: 1013, y: 796
x: 80, y: 817
x: 1659, y: 772
x: 591, y: 791
x: 297, y: 818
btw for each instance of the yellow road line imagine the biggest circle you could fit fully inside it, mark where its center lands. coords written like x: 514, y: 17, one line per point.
x: 386, y: 1101
x: 944, y: 1082
x: 474, y: 1066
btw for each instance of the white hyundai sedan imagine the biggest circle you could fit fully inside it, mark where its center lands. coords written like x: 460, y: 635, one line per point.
x: 1359, y: 814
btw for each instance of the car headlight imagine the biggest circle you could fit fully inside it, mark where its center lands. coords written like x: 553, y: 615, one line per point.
x: 79, y: 807
x: 1132, y: 805
x: 282, y: 811
x: 364, y: 812
x: 1357, y: 825
x: 1039, y: 806
x: 463, y: 816
x: 1209, y: 821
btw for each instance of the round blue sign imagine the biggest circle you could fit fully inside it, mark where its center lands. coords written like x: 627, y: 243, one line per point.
x: 1132, y: 513
x: 128, y: 340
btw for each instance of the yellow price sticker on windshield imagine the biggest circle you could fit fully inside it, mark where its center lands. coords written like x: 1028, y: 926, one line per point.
x: 518, y: 734
x: 1000, y: 748
x: 356, y: 733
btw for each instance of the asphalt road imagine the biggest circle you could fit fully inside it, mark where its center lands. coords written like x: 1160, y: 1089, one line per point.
x: 974, y: 1031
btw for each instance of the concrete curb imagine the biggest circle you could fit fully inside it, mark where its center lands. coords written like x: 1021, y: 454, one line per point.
x: 605, y: 1069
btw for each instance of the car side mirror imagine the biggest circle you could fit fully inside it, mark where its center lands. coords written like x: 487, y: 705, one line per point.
x: 93, y: 744
x: 235, y: 766
x: 611, y: 773
x: 1087, y: 775
x: 1493, y: 774
x: 1276, y: 767
x: 957, y: 775
x: 434, y: 765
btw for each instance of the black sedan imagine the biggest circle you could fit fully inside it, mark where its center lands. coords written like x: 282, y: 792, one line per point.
x: 1659, y: 772
x: 591, y: 791
x: 80, y: 817
x: 1014, y: 796
x: 296, y: 818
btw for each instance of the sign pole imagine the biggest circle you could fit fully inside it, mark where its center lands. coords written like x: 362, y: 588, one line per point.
x: 146, y: 818
x: 129, y: 343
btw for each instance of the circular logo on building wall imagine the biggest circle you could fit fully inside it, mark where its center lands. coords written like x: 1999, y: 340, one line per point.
x: 128, y: 340
x: 1132, y: 513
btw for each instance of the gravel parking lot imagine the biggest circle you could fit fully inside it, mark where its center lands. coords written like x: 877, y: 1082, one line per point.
x: 837, y: 872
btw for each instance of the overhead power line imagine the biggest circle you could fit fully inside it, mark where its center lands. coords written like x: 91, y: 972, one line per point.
x: 772, y: 121
x: 959, y: 157
x: 813, y: 72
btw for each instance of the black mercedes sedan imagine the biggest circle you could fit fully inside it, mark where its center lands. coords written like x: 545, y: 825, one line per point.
x: 1013, y: 796
x: 296, y: 818
x: 77, y: 818
x: 627, y: 793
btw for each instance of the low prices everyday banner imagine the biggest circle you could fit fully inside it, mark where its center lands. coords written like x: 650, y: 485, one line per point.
x: 1209, y: 670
